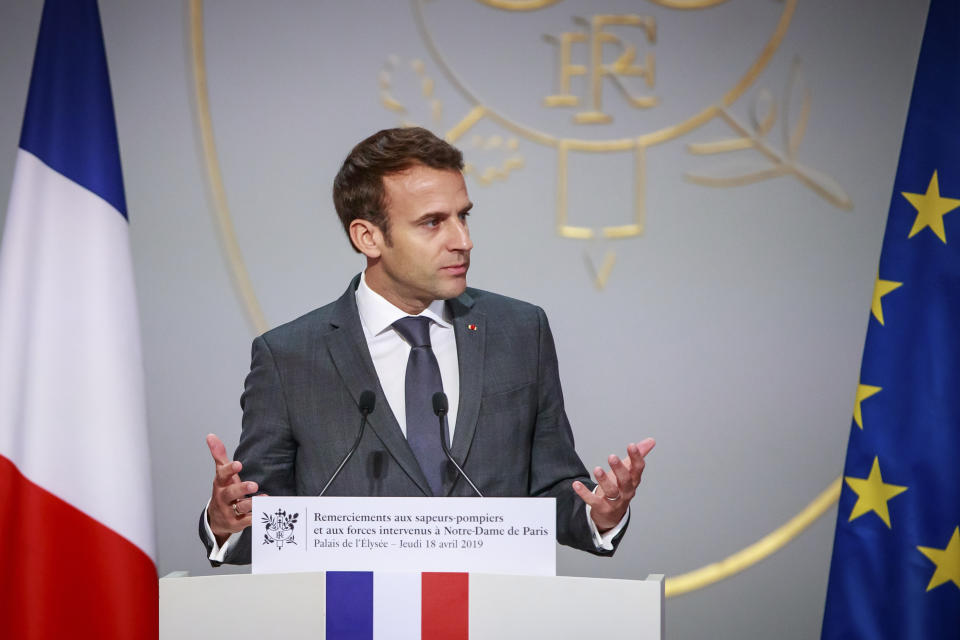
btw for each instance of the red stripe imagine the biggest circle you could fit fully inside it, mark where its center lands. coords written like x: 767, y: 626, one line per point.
x: 444, y: 614
x: 65, y: 575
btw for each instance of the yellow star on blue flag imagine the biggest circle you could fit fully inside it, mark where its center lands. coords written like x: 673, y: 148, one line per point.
x: 895, y: 569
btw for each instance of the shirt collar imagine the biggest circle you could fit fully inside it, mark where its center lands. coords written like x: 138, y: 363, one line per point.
x: 378, y: 314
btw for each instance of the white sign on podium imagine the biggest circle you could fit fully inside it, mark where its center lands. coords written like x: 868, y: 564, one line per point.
x: 511, y: 536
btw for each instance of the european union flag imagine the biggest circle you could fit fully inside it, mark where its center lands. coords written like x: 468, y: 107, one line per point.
x: 895, y: 571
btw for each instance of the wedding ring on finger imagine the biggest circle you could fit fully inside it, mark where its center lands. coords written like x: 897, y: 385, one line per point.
x: 614, y: 498
x: 236, y: 509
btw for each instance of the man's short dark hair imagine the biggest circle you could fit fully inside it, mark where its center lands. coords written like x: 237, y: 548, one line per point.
x: 358, y: 191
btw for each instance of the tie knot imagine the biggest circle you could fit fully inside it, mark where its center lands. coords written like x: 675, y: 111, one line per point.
x: 415, y: 330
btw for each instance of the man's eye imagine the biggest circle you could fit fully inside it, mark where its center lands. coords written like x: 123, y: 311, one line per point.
x: 464, y: 215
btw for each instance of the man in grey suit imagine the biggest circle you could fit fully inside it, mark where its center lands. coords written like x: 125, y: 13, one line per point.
x: 403, y: 202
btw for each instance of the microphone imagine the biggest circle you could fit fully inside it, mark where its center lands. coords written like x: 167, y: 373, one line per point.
x: 367, y: 402
x: 440, y: 407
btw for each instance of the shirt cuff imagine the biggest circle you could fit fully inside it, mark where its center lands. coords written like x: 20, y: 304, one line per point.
x: 218, y: 553
x: 604, y: 541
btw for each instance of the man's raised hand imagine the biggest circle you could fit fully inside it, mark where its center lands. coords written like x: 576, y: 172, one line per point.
x: 229, y: 509
x: 616, y: 488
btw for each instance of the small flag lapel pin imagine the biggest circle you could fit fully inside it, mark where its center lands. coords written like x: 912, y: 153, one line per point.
x: 472, y: 327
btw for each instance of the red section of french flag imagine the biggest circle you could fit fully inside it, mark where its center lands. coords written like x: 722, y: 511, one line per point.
x: 445, y: 606
x: 65, y: 575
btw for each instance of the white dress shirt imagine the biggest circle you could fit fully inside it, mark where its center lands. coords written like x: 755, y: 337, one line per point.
x: 389, y: 352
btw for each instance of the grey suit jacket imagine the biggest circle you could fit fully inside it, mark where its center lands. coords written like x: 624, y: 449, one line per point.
x: 512, y: 437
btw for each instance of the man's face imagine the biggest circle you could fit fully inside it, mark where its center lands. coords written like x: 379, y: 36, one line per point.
x: 427, y: 253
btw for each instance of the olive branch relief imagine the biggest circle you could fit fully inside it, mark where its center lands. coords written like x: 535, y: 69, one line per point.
x: 408, y: 90
x: 775, y: 162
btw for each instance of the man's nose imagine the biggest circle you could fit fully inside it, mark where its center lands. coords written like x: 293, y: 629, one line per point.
x: 460, y: 240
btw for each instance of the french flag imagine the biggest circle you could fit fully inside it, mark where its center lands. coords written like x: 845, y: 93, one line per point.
x: 362, y: 605
x: 76, y: 514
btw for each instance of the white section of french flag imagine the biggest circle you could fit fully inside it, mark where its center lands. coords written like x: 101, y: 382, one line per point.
x: 72, y: 415
x: 396, y: 605
x: 77, y: 541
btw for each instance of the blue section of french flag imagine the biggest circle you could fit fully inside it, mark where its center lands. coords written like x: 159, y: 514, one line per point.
x: 75, y: 494
x: 349, y: 605
x: 69, y: 122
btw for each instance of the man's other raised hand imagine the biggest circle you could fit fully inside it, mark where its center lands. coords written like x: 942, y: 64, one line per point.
x: 615, y: 488
x: 229, y: 509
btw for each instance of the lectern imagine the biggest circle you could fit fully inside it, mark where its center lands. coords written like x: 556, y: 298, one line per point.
x: 476, y: 606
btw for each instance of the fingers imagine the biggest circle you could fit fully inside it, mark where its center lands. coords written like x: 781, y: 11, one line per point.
x: 604, y: 512
x: 623, y: 478
x: 224, y: 519
x: 229, y: 509
x: 586, y: 494
x: 217, y: 450
x: 225, y: 525
x: 626, y: 480
x: 634, y: 462
x: 242, y: 507
x: 225, y: 468
x: 227, y: 474
x: 646, y: 446
x: 637, y: 454
x: 616, y: 488
x: 236, y: 492
x: 609, y: 482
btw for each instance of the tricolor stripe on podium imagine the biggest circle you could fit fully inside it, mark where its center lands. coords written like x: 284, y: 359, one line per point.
x: 77, y: 536
x: 363, y: 605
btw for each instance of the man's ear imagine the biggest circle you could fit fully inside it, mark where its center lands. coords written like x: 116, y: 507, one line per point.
x: 366, y: 237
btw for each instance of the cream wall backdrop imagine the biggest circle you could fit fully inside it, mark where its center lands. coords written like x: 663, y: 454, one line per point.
x: 699, y: 208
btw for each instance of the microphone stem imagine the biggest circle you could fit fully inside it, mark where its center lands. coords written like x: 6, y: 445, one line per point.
x: 346, y: 458
x: 446, y: 450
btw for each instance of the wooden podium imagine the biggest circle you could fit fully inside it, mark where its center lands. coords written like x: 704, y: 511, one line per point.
x: 292, y: 606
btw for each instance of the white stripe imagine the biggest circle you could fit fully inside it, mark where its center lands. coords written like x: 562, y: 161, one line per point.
x: 72, y: 414
x: 396, y: 606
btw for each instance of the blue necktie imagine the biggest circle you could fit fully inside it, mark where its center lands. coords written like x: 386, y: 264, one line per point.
x: 422, y: 381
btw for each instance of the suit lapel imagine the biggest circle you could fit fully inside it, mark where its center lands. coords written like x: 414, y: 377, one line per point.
x: 350, y: 355
x: 469, y: 328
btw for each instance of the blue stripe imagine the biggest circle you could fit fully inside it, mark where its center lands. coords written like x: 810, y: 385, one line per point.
x: 69, y: 122
x: 349, y: 605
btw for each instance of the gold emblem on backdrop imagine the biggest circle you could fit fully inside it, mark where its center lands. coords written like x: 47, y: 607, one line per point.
x: 612, y: 59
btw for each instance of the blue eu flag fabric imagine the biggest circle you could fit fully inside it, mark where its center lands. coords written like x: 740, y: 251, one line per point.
x: 895, y: 571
